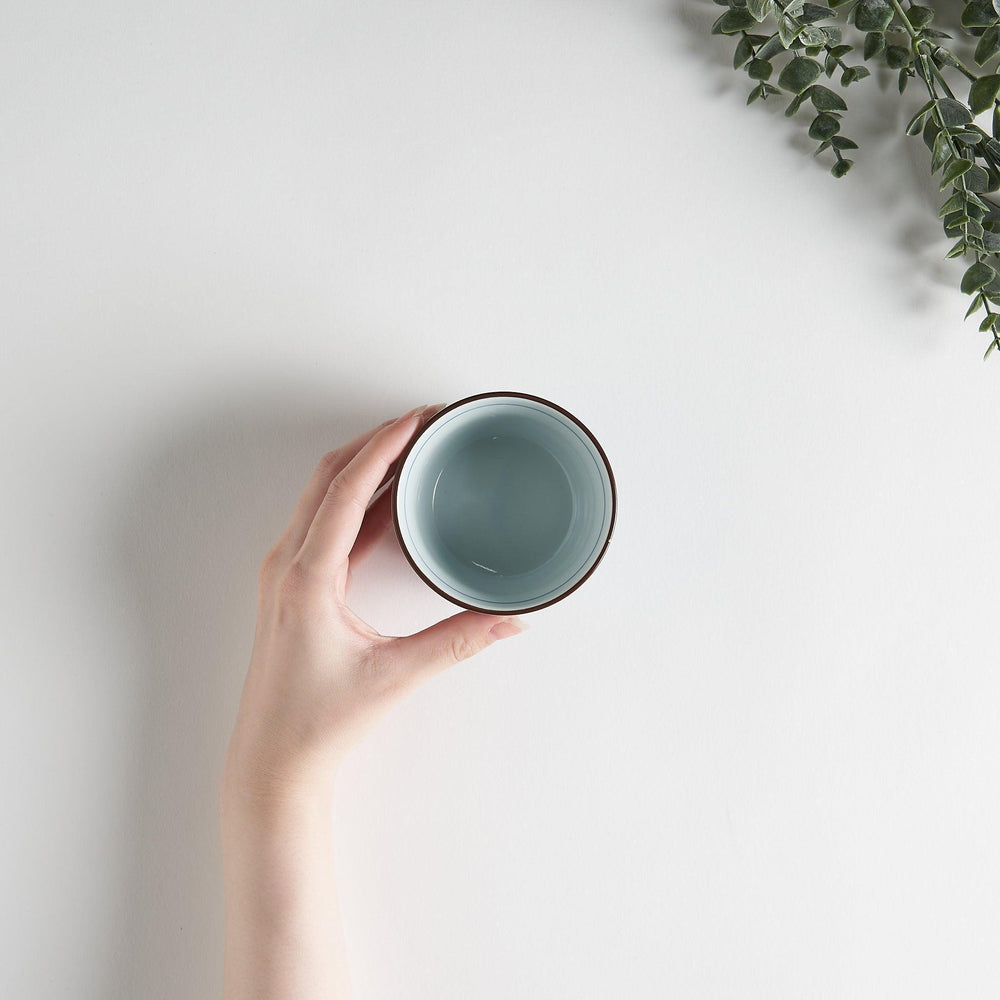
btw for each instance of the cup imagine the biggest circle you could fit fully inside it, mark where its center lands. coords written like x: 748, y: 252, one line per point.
x: 504, y: 502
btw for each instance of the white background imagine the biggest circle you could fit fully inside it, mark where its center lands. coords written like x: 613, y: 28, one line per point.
x: 755, y: 756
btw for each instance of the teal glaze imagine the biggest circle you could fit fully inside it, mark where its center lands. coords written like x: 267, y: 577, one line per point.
x: 504, y: 503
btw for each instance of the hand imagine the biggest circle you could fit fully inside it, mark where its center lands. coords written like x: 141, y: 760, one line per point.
x: 319, y: 676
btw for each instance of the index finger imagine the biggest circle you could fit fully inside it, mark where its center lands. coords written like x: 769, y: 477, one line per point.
x: 319, y: 483
x: 340, y: 514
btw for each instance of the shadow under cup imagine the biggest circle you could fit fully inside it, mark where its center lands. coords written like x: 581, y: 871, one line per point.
x: 504, y: 502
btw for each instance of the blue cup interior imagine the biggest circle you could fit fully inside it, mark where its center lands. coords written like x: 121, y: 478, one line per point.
x: 504, y: 503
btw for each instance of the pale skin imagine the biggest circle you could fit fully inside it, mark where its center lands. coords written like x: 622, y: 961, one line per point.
x: 318, y: 681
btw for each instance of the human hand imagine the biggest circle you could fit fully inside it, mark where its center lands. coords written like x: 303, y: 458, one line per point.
x: 319, y: 676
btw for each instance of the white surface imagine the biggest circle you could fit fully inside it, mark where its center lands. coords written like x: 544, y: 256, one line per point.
x: 755, y: 756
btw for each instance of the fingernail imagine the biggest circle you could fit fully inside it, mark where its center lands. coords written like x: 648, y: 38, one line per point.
x: 407, y: 416
x: 505, y: 629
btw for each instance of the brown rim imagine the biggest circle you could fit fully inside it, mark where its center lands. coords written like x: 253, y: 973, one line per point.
x: 423, y: 430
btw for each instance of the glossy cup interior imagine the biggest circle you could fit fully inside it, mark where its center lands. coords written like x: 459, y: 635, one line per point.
x: 504, y: 503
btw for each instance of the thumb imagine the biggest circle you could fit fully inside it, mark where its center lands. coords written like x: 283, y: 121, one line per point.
x: 452, y: 640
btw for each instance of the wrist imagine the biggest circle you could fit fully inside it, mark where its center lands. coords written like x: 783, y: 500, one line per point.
x: 258, y: 798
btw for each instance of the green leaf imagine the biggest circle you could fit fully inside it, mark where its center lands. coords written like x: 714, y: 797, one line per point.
x: 841, y: 167
x: 814, y: 12
x: 798, y: 74
x: 991, y: 241
x: 977, y: 179
x: 931, y: 131
x: 977, y: 303
x: 917, y: 121
x: 919, y: 17
x: 967, y: 138
x: 733, y: 22
x: 956, y: 203
x: 904, y: 78
x: 759, y: 69
x: 954, y: 224
x: 812, y: 36
x: 978, y: 14
x: 825, y: 99
x: 770, y: 48
x: 756, y: 93
x: 983, y: 93
x: 954, y: 170
x: 988, y: 45
x: 897, y: 56
x: 993, y: 344
x: 953, y: 113
x: 977, y: 276
x: 794, y: 105
x: 744, y: 51
x: 872, y: 15
x: 759, y: 9
x: 958, y: 250
x: 787, y: 31
x: 842, y: 142
x: 874, y: 44
x: 839, y: 51
x: 941, y: 152
x: 824, y: 126
x: 854, y: 73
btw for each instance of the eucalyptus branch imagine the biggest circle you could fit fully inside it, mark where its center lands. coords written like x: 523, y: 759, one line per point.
x: 904, y: 40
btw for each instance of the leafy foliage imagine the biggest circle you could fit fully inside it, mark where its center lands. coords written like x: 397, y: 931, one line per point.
x: 803, y: 41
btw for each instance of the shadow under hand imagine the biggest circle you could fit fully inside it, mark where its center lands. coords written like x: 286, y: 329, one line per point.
x: 205, y: 503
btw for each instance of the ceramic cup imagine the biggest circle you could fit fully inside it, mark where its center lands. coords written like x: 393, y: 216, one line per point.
x: 504, y: 502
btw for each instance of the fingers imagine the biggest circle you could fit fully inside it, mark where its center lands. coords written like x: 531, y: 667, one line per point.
x: 377, y: 520
x: 341, y: 510
x: 450, y: 641
x: 329, y: 465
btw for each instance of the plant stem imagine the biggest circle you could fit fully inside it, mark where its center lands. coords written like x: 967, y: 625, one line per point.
x: 906, y: 22
x: 953, y: 59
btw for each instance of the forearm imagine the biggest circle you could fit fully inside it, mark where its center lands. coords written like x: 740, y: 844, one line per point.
x: 284, y: 938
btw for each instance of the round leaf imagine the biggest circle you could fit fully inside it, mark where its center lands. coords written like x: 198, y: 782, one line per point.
x: 733, y: 22
x: 897, y: 56
x: 872, y: 15
x: 825, y: 99
x: 798, y: 74
x: 983, y: 93
x: 824, y: 127
x: 978, y: 276
x: 953, y: 113
x: 954, y: 170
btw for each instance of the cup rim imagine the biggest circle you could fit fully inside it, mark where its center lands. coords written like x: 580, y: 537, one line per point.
x: 401, y: 461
